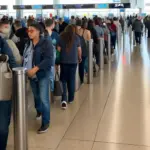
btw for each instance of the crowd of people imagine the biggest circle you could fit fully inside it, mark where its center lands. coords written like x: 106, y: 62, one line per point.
x: 42, y: 46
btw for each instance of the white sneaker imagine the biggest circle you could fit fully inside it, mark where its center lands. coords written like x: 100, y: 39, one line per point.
x: 64, y: 105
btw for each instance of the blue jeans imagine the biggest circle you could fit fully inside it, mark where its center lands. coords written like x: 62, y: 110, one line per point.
x: 40, y: 89
x: 67, y: 76
x: 5, y: 115
x: 52, y: 76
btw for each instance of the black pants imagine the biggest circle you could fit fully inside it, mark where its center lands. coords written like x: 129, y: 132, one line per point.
x: 148, y: 33
x: 138, y: 37
x: 113, y: 41
x: 5, y: 115
x: 81, y: 69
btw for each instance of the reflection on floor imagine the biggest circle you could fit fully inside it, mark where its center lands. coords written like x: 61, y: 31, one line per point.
x: 111, y: 114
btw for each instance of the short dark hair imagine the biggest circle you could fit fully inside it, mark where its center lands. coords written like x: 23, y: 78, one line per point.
x: 2, y: 22
x: 30, y: 21
x: 79, y: 22
x: 17, y: 23
x: 37, y: 26
x: 49, y: 22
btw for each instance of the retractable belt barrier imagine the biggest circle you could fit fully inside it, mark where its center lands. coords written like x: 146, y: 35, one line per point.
x: 101, y: 47
x: 90, y: 61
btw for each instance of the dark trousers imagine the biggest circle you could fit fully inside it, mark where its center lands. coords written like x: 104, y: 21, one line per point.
x: 148, y: 33
x: 113, y: 41
x: 81, y: 69
x: 67, y: 76
x: 5, y: 115
x: 138, y: 37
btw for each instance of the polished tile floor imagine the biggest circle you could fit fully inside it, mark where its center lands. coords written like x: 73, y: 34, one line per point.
x: 111, y: 114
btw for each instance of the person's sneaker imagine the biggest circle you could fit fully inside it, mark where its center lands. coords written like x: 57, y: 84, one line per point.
x: 43, y: 129
x: 64, y: 105
x: 70, y: 102
x: 38, y: 116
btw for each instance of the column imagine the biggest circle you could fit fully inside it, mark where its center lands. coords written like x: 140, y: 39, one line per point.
x: 56, y: 2
x: 19, y: 13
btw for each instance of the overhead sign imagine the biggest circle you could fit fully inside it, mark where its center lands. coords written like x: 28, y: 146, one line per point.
x: 47, y: 7
x: 101, y: 6
x: 58, y: 6
x: 79, y: 6
x: 3, y: 7
x: 88, y: 1
x: 22, y: 7
x: 120, y: 5
x: 122, y: 10
x: 36, y: 6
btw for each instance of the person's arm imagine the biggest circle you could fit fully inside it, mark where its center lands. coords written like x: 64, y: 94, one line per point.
x: 15, y: 51
x: 79, y: 49
x: 48, y: 56
x: 88, y: 35
x: 79, y: 54
x: 7, y: 51
x: 59, y: 44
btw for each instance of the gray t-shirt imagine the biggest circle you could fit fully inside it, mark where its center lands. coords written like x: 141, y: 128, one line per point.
x: 71, y: 56
x: 99, y: 31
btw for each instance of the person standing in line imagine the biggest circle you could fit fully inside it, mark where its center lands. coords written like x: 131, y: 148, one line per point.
x: 113, y: 32
x: 84, y: 36
x: 70, y: 54
x: 137, y: 27
x: 4, y: 33
x: 5, y: 104
x: 52, y: 35
x: 38, y: 59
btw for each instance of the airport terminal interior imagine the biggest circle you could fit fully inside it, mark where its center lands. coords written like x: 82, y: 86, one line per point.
x: 111, y: 108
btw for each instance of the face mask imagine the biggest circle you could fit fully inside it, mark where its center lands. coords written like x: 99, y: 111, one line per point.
x: 6, y: 30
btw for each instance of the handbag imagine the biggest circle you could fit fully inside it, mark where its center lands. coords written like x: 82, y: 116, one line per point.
x: 5, y: 81
x: 58, y: 89
x: 57, y: 62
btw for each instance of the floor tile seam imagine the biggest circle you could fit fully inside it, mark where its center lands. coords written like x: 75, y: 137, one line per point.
x: 33, y: 147
x: 127, y: 144
x: 86, y: 97
x: 107, y: 99
x: 77, y: 139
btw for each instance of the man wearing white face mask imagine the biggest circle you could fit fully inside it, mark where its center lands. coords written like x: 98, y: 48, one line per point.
x: 4, y: 33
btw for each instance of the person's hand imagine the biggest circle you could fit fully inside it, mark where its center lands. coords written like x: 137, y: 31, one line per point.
x: 80, y: 60
x: 57, y: 68
x: 31, y: 73
x: 3, y: 57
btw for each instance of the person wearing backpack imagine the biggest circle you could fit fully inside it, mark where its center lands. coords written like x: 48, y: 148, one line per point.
x: 38, y: 59
x: 5, y: 104
x: 84, y: 36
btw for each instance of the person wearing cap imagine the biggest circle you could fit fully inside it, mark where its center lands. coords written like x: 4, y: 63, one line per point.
x: 137, y: 27
x: 38, y: 59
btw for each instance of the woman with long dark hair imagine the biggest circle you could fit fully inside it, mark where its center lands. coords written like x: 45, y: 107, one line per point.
x: 84, y: 36
x: 70, y: 55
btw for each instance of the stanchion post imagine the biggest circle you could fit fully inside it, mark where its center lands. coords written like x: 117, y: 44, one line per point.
x: 101, y: 46
x: 109, y: 47
x: 90, y: 61
x: 78, y: 82
x: 20, y: 107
